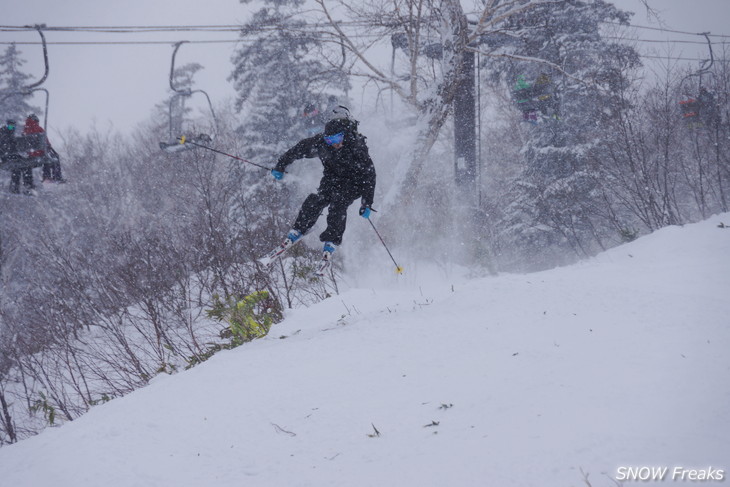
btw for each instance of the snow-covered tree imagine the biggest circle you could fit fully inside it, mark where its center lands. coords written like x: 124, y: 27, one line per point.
x: 277, y: 71
x: 432, y: 42
x: 579, y: 77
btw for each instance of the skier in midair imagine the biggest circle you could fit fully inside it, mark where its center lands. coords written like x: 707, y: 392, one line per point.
x: 349, y: 174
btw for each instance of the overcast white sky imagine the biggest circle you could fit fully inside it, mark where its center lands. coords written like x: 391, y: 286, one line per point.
x: 119, y: 84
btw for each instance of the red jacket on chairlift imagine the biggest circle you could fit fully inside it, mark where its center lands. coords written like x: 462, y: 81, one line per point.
x: 37, y: 142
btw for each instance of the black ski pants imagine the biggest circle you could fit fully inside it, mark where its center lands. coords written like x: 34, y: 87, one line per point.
x: 16, y: 175
x: 336, y: 194
x: 52, y: 170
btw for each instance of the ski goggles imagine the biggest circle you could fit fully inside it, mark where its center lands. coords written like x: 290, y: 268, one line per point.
x: 11, y: 126
x: 334, y: 139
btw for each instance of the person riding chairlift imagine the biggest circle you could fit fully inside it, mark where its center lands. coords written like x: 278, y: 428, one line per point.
x: 314, y: 120
x: 10, y: 156
x: 700, y: 111
x: 534, y: 98
x: 40, y: 147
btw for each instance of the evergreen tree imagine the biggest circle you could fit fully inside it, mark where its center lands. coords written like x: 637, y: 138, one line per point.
x: 276, y: 73
x: 555, y: 204
x: 13, y: 81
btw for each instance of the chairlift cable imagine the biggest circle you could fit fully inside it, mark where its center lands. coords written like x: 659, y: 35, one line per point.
x: 171, y: 28
x: 661, y: 29
x: 262, y: 28
x: 235, y: 28
x: 656, y: 41
x: 120, y: 43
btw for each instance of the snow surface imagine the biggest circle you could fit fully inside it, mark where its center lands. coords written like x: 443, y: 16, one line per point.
x: 514, y: 380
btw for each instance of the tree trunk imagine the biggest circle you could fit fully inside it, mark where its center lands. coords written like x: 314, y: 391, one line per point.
x: 436, y: 109
x: 6, y: 420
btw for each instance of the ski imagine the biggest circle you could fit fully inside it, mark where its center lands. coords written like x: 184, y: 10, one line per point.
x: 289, y: 241
x: 324, y: 265
x: 272, y: 256
x: 326, y: 262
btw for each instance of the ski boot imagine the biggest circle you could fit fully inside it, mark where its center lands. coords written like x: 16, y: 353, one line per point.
x: 326, y: 262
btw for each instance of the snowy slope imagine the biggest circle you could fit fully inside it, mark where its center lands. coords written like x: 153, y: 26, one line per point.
x: 515, y: 380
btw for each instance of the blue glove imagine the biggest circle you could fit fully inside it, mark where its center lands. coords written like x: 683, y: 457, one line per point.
x: 278, y: 175
x: 365, y: 211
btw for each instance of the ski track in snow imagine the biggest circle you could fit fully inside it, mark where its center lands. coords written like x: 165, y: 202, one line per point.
x: 513, y: 380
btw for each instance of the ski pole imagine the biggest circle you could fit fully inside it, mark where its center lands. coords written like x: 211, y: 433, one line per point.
x: 185, y: 141
x: 398, y: 269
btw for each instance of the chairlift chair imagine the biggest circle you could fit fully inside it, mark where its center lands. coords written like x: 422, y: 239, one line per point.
x: 178, y: 142
x: 22, y: 162
x: 702, y: 108
x: 537, y: 97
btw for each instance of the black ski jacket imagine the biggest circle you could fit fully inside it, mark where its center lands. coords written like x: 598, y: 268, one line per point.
x: 8, y: 143
x: 349, y: 167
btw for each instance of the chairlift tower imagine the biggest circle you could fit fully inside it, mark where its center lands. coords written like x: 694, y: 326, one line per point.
x: 464, y: 107
x: 465, y: 132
